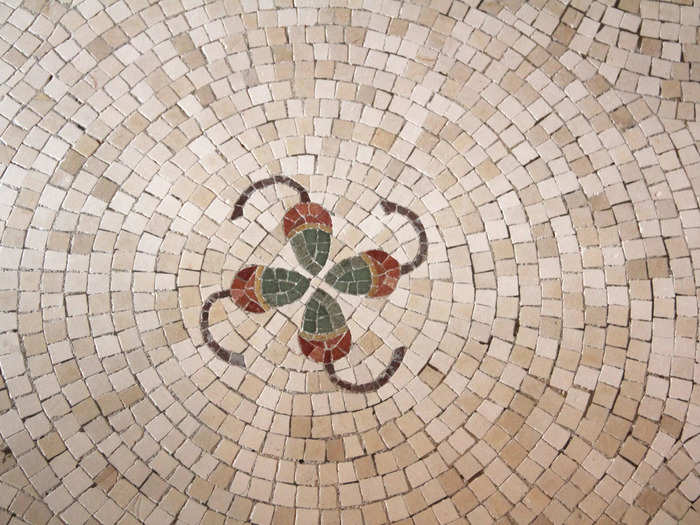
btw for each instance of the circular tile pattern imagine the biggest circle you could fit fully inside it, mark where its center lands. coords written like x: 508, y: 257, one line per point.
x: 549, y: 338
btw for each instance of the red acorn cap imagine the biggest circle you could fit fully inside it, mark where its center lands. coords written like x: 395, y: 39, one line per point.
x: 244, y: 291
x: 328, y: 350
x: 306, y: 213
x: 385, y: 273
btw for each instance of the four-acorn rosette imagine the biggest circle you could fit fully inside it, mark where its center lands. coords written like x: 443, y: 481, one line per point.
x: 324, y: 335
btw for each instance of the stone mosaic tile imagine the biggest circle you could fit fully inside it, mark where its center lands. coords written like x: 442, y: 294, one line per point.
x: 370, y: 262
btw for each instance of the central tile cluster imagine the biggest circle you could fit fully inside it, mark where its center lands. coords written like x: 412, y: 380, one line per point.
x: 324, y: 336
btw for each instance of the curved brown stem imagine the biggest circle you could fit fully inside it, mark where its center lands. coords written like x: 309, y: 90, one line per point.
x: 281, y: 179
x: 380, y: 381
x: 226, y: 355
x: 392, y: 207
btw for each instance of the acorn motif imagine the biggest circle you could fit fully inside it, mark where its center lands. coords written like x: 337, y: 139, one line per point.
x: 308, y: 225
x: 258, y: 288
x: 374, y: 273
x: 325, y: 336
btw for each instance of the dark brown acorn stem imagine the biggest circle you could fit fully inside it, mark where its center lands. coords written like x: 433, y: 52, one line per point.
x: 226, y: 355
x: 380, y: 381
x: 281, y: 179
x: 392, y: 207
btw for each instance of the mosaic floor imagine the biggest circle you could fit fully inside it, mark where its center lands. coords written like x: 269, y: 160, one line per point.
x: 300, y: 262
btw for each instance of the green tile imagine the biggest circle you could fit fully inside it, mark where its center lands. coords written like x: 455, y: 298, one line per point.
x: 280, y: 286
x: 311, y: 247
x: 351, y: 275
x: 322, y: 314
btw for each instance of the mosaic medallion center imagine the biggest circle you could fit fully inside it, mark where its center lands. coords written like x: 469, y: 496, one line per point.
x: 324, y: 335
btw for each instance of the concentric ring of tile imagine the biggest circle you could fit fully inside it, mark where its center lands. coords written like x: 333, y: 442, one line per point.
x: 551, y: 334
x: 647, y: 47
